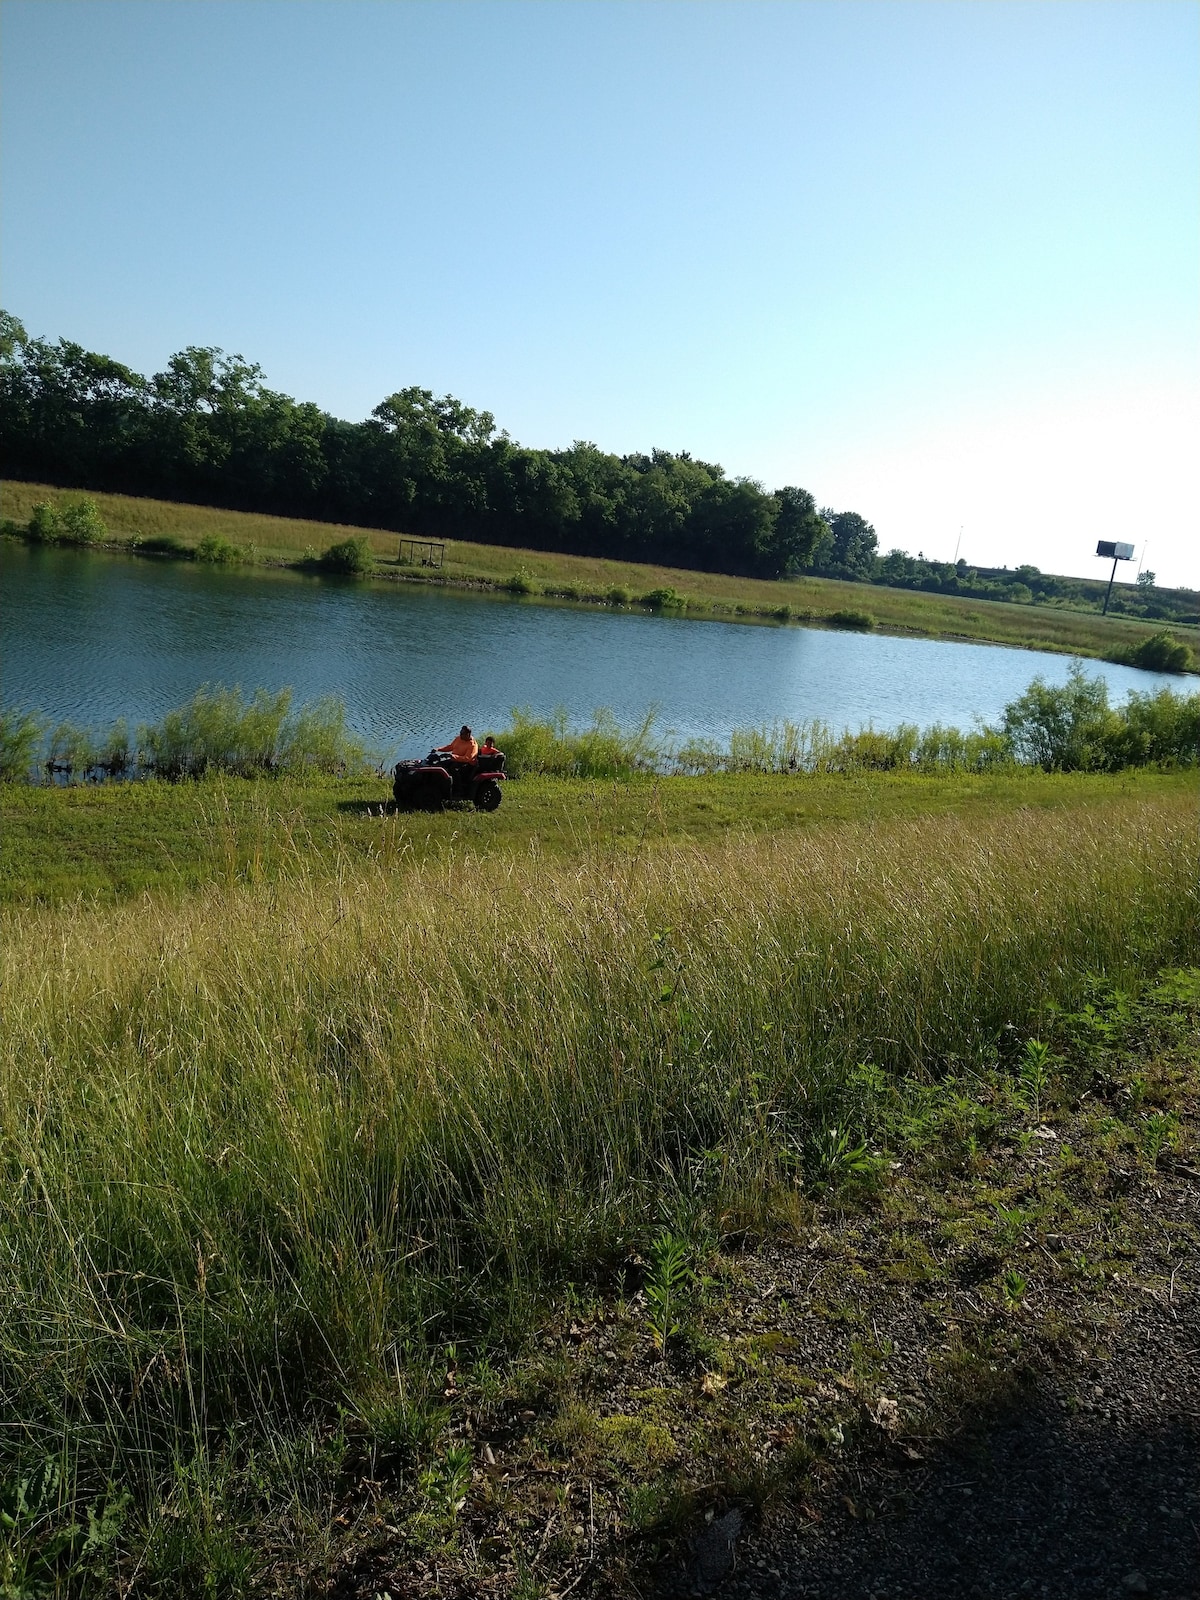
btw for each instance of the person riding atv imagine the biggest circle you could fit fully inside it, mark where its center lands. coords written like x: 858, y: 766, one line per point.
x: 459, y: 770
x: 463, y: 748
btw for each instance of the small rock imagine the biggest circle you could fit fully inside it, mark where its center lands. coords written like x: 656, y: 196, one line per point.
x: 1135, y: 1582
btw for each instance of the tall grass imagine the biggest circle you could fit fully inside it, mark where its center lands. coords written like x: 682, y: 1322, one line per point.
x: 265, y: 1146
x: 1067, y: 727
x: 217, y: 730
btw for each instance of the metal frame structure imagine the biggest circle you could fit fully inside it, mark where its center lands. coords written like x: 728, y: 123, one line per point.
x: 421, y: 552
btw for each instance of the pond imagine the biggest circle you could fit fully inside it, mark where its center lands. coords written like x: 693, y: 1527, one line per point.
x: 89, y: 637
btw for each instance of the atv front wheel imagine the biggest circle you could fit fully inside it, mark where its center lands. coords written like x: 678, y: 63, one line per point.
x: 487, y: 796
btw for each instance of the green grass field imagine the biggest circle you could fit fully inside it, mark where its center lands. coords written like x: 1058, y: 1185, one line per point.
x: 280, y: 540
x: 312, y: 1116
x: 115, y: 840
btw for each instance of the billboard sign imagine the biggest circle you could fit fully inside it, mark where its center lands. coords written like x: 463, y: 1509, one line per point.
x: 1114, y: 552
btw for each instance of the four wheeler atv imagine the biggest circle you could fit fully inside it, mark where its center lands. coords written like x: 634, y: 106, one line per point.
x: 433, y: 783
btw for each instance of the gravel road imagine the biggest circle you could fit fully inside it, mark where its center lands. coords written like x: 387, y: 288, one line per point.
x: 1092, y: 1490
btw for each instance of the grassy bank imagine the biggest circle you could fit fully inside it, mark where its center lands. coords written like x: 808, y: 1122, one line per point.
x: 266, y: 541
x: 297, y: 1159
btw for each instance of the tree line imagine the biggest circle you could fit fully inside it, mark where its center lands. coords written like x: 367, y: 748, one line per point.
x: 208, y: 430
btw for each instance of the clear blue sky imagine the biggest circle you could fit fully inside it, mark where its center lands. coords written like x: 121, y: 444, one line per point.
x: 936, y: 263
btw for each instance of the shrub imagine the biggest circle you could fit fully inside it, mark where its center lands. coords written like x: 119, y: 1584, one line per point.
x: 1066, y: 727
x: 1161, y: 652
x: 217, y: 552
x: 351, y: 558
x: 860, y: 620
x: 20, y: 735
x: 520, y: 583
x: 82, y: 523
x: 45, y: 523
x: 616, y: 596
x: 663, y: 599
x: 1161, y: 727
x: 162, y: 544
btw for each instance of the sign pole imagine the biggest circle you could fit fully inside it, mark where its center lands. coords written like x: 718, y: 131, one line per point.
x: 1108, y: 591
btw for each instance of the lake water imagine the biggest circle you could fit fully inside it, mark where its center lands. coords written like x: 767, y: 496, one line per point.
x: 90, y: 637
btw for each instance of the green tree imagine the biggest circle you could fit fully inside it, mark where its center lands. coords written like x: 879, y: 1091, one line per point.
x: 798, y: 529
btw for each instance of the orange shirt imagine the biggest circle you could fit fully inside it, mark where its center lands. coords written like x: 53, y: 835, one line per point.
x: 461, y: 749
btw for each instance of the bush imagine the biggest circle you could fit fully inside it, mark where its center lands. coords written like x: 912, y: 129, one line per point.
x: 162, y: 544
x: 45, y: 523
x: 860, y: 620
x: 217, y: 552
x: 1066, y: 727
x: 519, y: 583
x: 1162, y: 727
x: 81, y: 523
x: 351, y: 558
x: 20, y: 735
x: 1161, y: 652
x: 663, y: 599
x: 616, y: 596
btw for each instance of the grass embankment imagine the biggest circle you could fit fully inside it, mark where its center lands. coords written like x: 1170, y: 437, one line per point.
x: 298, y: 1167
x: 283, y: 541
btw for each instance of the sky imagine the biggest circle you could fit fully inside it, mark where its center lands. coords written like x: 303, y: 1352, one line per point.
x: 936, y: 263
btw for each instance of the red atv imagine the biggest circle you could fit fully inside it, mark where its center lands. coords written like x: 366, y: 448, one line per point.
x: 441, y: 778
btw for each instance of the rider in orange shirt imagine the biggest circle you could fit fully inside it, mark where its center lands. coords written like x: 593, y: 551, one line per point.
x: 463, y: 748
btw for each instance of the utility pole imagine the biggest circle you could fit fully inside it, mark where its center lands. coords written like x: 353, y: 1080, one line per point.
x: 957, y: 546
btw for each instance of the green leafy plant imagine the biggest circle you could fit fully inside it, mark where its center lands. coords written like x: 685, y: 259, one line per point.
x: 1034, y: 1073
x: 445, y: 1483
x: 45, y: 523
x: 82, y: 523
x: 20, y: 735
x: 43, y: 1544
x: 663, y: 599
x: 1013, y: 1287
x: 1161, y: 652
x: 834, y: 1155
x: 1157, y: 1133
x: 857, y: 621
x: 669, y: 1277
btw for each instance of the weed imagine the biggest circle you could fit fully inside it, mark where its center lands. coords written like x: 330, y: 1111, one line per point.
x: 1035, y: 1073
x: 1156, y: 1133
x: 445, y: 1483
x: 834, y: 1156
x: 1014, y: 1288
x: 667, y: 1281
